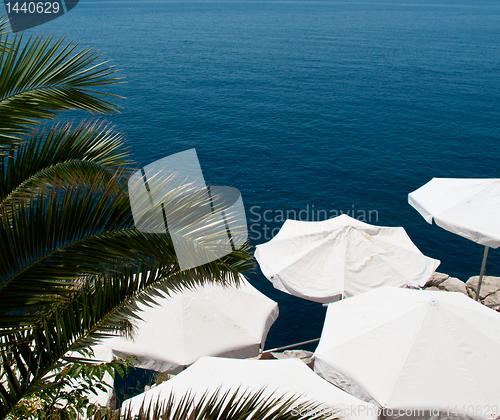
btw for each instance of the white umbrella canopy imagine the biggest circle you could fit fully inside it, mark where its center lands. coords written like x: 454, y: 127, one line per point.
x: 410, y: 350
x: 289, y: 377
x: 467, y: 207
x: 321, y: 261
x: 210, y: 320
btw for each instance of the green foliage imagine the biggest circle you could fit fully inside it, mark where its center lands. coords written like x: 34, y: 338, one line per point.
x: 40, y: 77
x: 230, y: 405
x: 162, y: 377
x: 69, y: 388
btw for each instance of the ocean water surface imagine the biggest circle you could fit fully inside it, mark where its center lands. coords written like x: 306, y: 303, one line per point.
x: 310, y: 107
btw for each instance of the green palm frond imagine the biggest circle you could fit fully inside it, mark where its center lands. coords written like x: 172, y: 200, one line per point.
x: 229, y: 405
x: 42, y: 232
x: 216, y: 405
x: 97, y: 309
x: 4, y: 25
x: 62, y: 153
x: 40, y: 78
x: 74, y: 270
x: 83, y: 229
x: 197, y: 224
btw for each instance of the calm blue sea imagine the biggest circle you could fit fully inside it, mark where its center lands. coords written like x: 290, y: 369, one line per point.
x: 307, y: 106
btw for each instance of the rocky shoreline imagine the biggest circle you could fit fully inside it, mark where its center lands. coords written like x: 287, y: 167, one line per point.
x: 490, y: 288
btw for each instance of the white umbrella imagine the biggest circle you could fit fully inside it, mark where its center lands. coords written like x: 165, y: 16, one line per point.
x: 321, y: 261
x: 289, y: 377
x: 467, y: 207
x: 410, y: 350
x: 211, y: 320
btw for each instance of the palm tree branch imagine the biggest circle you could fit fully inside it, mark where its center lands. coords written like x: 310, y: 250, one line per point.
x: 62, y: 153
x: 96, y: 309
x: 84, y: 229
x: 41, y: 78
x: 236, y: 404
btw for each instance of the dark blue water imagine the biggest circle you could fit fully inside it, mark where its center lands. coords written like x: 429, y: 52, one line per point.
x: 311, y: 106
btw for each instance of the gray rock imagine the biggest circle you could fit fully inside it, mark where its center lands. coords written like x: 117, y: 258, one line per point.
x: 490, y: 288
x: 436, y: 279
x: 452, y: 284
x: 489, y: 285
x: 493, y: 300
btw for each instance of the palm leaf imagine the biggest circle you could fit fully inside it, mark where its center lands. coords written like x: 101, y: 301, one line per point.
x: 233, y: 405
x: 104, y: 268
x: 96, y: 309
x: 83, y: 229
x: 4, y: 30
x: 4, y: 25
x: 61, y: 153
x: 40, y: 78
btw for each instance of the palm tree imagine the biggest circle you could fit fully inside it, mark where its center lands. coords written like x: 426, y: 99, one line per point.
x: 72, y: 265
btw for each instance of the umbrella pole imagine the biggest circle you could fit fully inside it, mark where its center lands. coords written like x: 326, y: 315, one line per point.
x: 483, y: 268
